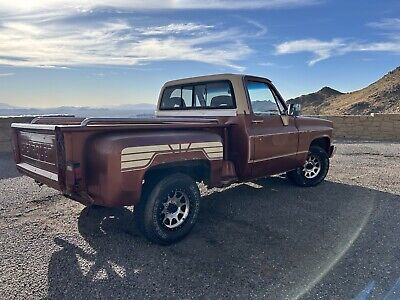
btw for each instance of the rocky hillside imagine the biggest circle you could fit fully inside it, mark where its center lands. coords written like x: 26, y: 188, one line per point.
x: 383, y: 96
x: 311, y: 102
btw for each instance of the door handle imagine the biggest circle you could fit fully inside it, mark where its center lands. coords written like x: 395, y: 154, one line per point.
x: 257, y: 121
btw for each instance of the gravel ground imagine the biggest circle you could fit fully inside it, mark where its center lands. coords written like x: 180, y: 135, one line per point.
x: 266, y: 239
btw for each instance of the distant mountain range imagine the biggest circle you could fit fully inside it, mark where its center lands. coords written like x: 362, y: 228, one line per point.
x: 119, y: 111
x: 382, y: 96
x: 6, y: 106
x: 263, y: 106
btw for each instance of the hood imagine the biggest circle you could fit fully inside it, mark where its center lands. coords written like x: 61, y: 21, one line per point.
x: 315, y: 121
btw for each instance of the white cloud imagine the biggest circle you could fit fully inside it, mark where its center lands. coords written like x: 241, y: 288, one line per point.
x: 387, y: 24
x: 54, y: 44
x: 323, y: 50
x: 6, y: 74
x: 240, y: 4
x: 262, y: 29
x: 267, y: 64
x: 24, y: 6
x: 274, y: 65
x: 391, y: 46
x: 175, y: 28
x: 38, y: 33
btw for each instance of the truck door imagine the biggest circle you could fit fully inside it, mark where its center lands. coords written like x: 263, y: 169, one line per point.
x: 273, y: 134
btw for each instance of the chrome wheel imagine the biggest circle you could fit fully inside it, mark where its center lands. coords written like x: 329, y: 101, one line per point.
x: 175, y: 209
x: 312, y: 167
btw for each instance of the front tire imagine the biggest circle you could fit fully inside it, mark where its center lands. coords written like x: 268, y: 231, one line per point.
x: 169, y: 209
x: 314, y: 169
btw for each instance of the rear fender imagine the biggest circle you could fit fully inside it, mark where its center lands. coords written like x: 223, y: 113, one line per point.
x: 119, y: 162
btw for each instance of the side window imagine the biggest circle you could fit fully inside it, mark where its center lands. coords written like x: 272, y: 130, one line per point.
x: 262, y: 99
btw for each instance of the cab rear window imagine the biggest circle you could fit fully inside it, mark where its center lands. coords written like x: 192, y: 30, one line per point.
x: 210, y: 95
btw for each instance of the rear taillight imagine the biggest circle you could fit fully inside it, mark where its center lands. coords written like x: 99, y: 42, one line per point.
x: 74, y: 172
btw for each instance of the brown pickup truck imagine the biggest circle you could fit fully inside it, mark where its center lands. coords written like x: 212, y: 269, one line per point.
x: 216, y: 129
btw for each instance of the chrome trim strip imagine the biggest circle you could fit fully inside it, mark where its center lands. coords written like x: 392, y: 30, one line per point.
x: 38, y: 171
x: 38, y: 160
x: 270, y: 134
x: 33, y: 126
x: 232, y: 112
x: 275, y: 157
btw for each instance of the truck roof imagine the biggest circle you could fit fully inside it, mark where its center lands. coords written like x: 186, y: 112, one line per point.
x: 213, y: 77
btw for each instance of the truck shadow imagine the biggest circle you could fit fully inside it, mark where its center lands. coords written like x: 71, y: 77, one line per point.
x: 7, y: 166
x: 267, y: 239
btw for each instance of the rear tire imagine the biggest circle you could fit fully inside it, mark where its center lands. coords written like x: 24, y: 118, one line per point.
x: 169, y: 209
x: 314, y: 169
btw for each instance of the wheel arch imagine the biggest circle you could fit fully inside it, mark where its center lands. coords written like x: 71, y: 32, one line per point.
x: 324, y: 142
x: 199, y: 170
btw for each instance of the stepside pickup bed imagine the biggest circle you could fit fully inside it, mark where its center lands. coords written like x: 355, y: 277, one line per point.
x: 217, y: 129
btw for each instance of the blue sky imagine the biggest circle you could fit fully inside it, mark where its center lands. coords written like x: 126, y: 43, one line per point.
x: 102, y: 52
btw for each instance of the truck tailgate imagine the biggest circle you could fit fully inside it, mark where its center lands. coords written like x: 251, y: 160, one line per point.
x: 35, y: 152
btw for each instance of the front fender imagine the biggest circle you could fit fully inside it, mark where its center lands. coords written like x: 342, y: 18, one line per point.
x: 311, y: 129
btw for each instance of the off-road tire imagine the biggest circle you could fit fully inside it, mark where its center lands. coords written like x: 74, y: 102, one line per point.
x: 298, y: 176
x: 148, y: 213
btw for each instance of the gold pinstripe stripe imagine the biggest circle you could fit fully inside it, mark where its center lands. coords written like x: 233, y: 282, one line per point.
x: 175, y: 146
x: 140, y: 149
x: 140, y: 156
x: 215, y: 155
x: 185, y: 146
x: 215, y: 149
x: 135, y: 163
x: 205, y: 145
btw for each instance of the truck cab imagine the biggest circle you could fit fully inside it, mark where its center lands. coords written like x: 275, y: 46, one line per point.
x: 216, y: 129
x: 264, y: 136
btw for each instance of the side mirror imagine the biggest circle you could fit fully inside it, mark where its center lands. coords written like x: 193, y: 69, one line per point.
x: 294, y: 109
